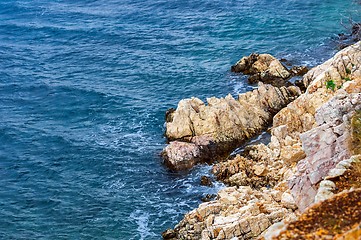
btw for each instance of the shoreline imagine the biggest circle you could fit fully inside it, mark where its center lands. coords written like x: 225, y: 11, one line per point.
x: 262, y: 192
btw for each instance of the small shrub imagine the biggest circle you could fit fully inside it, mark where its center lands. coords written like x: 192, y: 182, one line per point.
x: 348, y: 71
x: 347, y: 79
x: 330, y: 84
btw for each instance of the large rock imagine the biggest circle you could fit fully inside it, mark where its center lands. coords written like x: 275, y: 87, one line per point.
x: 344, y: 71
x: 325, y: 146
x: 264, y: 68
x: 198, y: 132
x: 267, y: 69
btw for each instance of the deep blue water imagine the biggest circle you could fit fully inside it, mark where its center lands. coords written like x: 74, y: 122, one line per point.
x: 84, y: 86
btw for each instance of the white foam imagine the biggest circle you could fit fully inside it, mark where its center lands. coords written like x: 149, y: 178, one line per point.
x: 142, y: 220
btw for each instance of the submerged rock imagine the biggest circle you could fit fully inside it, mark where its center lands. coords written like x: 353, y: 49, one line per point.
x: 169, y: 234
x: 206, y: 181
x: 202, y: 133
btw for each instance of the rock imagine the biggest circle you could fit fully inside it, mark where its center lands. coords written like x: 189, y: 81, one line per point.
x: 169, y: 234
x: 238, y: 213
x: 169, y: 115
x: 241, y: 171
x: 325, y: 190
x: 288, y: 201
x: 310, y: 140
x: 264, y: 68
x: 206, y: 181
x: 260, y: 170
x: 338, y: 68
x: 299, y: 70
x: 324, y: 147
x: 208, y: 197
x: 204, y: 133
x: 274, y: 230
x: 335, y: 218
x: 181, y: 155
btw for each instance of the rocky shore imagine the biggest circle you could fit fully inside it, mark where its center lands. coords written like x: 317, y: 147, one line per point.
x: 300, y: 184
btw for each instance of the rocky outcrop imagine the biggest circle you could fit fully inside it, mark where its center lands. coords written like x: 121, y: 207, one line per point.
x: 257, y: 168
x: 321, y: 218
x: 238, y: 212
x: 325, y: 146
x: 267, y: 69
x: 346, y: 175
x: 201, y: 133
x: 312, y: 142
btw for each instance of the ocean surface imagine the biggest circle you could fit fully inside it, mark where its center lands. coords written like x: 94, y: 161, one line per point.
x: 84, y: 86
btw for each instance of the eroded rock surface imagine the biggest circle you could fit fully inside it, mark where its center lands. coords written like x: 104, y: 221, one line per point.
x: 312, y: 131
x: 201, y: 132
x: 238, y: 212
x: 325, y: 146
x: 267, y: 69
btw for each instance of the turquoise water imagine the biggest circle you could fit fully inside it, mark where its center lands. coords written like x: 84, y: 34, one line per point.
x: 84, y: 86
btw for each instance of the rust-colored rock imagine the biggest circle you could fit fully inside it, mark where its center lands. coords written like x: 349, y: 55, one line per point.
x: 333, y: 218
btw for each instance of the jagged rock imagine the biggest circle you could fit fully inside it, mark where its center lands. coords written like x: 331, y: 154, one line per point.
x: 181, y: 155
x: 267, y: 69
x: 203, y: 133
x: 346, y: 63
x: 241, y: 213
x: 264, y: 68
x: 345, y: 40
x: 317, y: 121
x: 324, y: 146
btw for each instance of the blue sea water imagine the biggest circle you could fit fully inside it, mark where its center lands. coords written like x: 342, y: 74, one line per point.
x: 84, y: 86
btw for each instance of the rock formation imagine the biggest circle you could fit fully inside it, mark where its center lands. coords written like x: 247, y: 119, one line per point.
x: 325, y: 146
x: 238, y: 212
x: 200, y: 133
x: 267, y: 69
x: 314, y: 143
x: 337, y: 212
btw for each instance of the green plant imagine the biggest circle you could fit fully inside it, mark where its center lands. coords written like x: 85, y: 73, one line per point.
x: 330, y: 84
x: 347, y: 79
x: 348, y: 71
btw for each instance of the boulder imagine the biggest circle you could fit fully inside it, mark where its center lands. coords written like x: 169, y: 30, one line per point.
x: 264, y: 68
x: 200, y: 132
x: 267, y: 69
x: 345, y: 40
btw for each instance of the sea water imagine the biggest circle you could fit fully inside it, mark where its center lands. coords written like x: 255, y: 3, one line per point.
x: 84, y: 86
